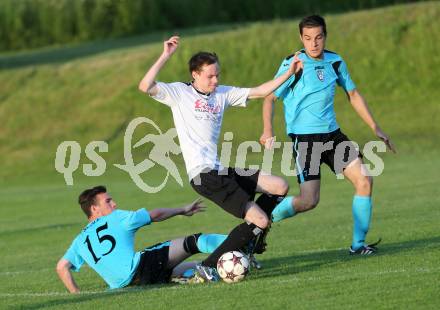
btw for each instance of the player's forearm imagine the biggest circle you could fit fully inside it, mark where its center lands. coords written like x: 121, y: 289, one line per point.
x: 360, y: 106
x: 66, y: 277
x: 148, y: 81
x: 268, y: 106
x: 266, y: 88
x: 158, y: 215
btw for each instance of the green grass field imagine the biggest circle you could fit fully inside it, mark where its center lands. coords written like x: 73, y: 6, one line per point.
x: 51, y: 96
x: 306, y: 265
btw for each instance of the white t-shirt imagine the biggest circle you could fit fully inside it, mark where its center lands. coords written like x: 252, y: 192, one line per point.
x: 198, y: 120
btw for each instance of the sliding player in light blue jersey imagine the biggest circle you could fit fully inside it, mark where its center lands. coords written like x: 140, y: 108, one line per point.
x: 106, y: 244
x: 311, y: 123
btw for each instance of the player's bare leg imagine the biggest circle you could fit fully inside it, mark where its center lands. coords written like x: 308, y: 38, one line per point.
x: 361, y: 208
x: 272, y: 185
x: 255, y: 215
x: 357, y: 175
x: 307, y: 199
x: 182, y: 248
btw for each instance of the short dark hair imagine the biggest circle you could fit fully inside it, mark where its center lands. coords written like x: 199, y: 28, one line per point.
x: 88, y: 198
x: 200, y: 59
x: 313, y: 21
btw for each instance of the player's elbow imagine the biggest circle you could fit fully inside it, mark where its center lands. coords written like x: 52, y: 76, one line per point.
x: 142, y: 88
x: 353, y: 95
x: 269, y: 99
x: 59, y: 266
x: 62, y: 266
x: 156, y: 215
x: 147, y: 88
x: 60, y: 271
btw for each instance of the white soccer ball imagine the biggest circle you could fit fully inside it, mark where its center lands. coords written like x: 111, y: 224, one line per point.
x: 233, y: 266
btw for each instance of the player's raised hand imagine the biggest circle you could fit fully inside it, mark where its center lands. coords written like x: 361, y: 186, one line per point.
x: 170, y: 46
x: 193, y: 208
x: 296, y: 64
x: 380, y: 134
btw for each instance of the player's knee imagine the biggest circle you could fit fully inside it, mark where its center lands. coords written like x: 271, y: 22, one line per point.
x: 364, y: 185
x: 310, y: 203
x: 279, y: 186
x: 283, y: 188
x: 262, y: 222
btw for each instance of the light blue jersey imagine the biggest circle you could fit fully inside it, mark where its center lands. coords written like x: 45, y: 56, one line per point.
x: 308, y: 97
x: 107, y: 246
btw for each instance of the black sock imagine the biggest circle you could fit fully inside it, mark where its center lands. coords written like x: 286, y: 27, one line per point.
x: 190, y: 244
x: 268, y: 202
x: 240, y: 236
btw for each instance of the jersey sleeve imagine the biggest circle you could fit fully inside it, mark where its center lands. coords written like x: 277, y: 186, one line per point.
x: 344, y: 78
x: 168, y: 93
x: 281, y: 91
x: 236, y: 96
x: 133, y: 220
x: 73, y: 257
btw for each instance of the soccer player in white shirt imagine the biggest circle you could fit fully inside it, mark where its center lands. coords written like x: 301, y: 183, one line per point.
x: 197, y: 109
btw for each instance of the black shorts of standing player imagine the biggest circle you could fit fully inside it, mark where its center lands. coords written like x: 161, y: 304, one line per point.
x: 334, y: 149
x: 231, y: 189
x: 152, y: 268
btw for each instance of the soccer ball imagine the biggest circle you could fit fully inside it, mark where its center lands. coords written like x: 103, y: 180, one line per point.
x: 233, y: 266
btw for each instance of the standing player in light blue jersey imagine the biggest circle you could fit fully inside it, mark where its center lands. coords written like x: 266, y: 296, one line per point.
x: 106, y: 244
x: 311, y: 123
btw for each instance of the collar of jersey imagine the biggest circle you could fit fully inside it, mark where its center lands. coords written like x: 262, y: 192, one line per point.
x: 314, y: 60
x: 199, y: 92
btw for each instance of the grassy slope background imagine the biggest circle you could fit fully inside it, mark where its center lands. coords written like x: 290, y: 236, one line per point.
x: 393, y: 56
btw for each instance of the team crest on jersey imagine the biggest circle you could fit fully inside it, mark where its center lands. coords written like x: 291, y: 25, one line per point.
x: 320, y: 73
x: 209, y: 106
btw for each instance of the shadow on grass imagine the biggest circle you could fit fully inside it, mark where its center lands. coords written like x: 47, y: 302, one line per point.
x: 65, y: 53
x: 78, y: 299
x: 298, y: 263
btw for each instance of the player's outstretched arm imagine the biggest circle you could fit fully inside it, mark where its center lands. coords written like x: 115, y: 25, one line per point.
x: 63, y: 270
x: 360, y: 106
x: 267, y: 137
x: 148, y: 84
x: 266, y: 88
x: 158, y: 215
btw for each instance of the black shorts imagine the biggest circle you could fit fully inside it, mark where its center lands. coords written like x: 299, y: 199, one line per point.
x: 311, y: 150
x: 152, y: 268
x: 231, y: 189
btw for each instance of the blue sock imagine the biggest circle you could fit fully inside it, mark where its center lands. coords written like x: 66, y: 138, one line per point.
x: 207, y: 243
x: 283, y: 210
x: 188, y: 273
x: 361, y: 220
